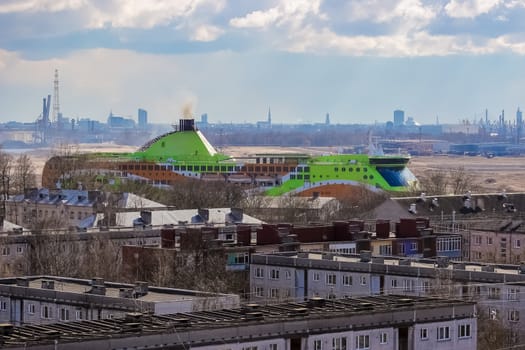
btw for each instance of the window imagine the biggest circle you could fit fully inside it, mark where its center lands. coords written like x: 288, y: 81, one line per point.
x: 259, y: 292
x: 493, y: 313
x: 413, y: 246
x: 3, y: 305
x: 489, y: 240
x: 401, y: 248
x: 19, y: 250
x: 477, y: 239
x: 318, y: 344
x: 31, y: 309
x: 274, y: 274
x: 249, y: 348
x: 517, y: 243
x: 331, y: 279
x: 316, y: 276
x: 513, y: 315
x: 426, y: 286
x: 464, y: 331
x: 408, y: 285
x: 363, y: 280
x: 513, y: 294
x: 64, y: 314
x: 259, y: 272
x: 362, y: 342
x: 287, y: 274
x: 273, y: 293
x: 385, y: 249
x: 423, y: 333
x: 383, y: 338
x: 78, y: 315
x: 394, y: 283
x: 494, y: 293
x: 272, y: 347
x: 347, y: 280
x: 6, y: 251
x: 339, y: 343
x: 46, y: 312
x: 443, y: 333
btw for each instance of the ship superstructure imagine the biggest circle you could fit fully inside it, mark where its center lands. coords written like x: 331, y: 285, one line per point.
x: 185, y: 153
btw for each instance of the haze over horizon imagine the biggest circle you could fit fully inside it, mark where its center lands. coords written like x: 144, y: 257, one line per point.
x: 357, y: 60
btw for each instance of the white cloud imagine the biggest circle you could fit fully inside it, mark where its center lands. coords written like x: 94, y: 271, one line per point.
x: 206, y: 33
x: 470, y: 8
x: 14, y: 6
x: 290, y: 12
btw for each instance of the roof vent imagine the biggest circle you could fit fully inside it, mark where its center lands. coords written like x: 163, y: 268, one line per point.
x: 140, y: 289
x: 366, y: 256
x: 442, y: 261
x: 48, y: 284
x: 487, y: 268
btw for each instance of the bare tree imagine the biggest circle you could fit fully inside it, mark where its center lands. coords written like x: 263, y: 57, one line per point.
x: 24, y: 176
x: 461, y: 180
x: 434, y: 182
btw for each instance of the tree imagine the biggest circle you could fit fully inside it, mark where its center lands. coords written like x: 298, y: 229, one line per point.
x: 24, y: 176
x: 434, y: 182
x: 461, y: 181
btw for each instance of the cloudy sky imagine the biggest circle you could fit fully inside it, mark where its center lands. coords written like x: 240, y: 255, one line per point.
x: 357, y: 59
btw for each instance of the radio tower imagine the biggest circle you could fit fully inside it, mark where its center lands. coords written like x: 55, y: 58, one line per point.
x: 56, y: 104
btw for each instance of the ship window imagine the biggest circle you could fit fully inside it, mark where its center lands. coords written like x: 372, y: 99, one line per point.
x: 343, y: 169
x: 230, y: 168
x: 143, y: 167
x: 365, y: 169
x: 350, y: 169
x: 183, y: 167
x: 307, y: 177
x: 203, y: 168
x: 210, y: 168
x: 358, y: 169
x: 299, y: 177
x: 163, y: 144
x: 237, y: 168
x: 124, y: 167
x: 336, y: 169
x: 176, y: 167
x: 216, y: 168
x: 299, y: 169
x: 170, y: 167
x: 278, y: 169
x: 271, y: 169
x: 306, y: 169
x: 286, y: 169
x: 150, y: 167
x: 365, y: 177
x: 257, y: 168
x: 157, y: 167
x: 292, y: 177
x: 190, y: 167
x: 162, y: 167
x: 371, y: 177
x: 223, y: 168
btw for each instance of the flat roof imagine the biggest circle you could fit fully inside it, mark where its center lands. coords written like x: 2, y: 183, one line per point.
x: 112, y: 289
x: 251, y: 314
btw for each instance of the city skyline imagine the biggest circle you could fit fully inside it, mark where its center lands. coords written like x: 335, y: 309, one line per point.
x: 357, y: 60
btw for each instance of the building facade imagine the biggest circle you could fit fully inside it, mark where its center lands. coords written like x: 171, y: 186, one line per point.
x: 49, y: 299
x: 386, y: 322
x: 296, y: 276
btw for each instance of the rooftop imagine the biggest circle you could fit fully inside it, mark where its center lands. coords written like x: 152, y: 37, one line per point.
x: 356, y: 312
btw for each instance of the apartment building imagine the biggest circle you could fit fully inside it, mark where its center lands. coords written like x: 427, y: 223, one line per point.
x: 299, y: 275
x: 381, y: 322
x: 50, y: 299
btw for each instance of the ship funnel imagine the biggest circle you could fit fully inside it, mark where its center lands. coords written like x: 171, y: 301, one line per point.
x: 186, y: 125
